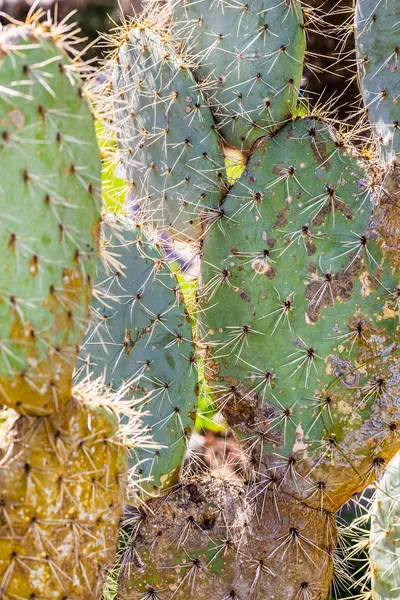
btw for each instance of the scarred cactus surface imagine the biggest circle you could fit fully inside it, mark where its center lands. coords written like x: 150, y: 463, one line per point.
x: 302, y: 356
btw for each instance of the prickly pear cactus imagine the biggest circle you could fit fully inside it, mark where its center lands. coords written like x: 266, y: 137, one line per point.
x: 304, y: 353
x: 62, y: 482
x: 384, y: 535
x: 376, y: 30
x: 50, y: 202
x: 141, y: 338
x: 249, y: 61
x: 300, y: 330
x: 298, y: 312
x: 171, y: 154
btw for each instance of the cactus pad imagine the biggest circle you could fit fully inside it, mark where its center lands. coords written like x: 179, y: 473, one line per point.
x: 62, y: 482
x: 50, y: 202
x: 249, y: 61
x: 141, y: 334
x: 205, y: 540
x: 302, y: 320
x: 384, y: 535
x: 376, y: 30
x: 170, y: 152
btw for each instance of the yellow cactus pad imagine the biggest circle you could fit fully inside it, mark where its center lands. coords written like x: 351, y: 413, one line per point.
x: 62, y: 481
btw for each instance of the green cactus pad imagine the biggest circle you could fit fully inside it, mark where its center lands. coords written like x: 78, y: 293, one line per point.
x: 62, y: 481
x: 50, y: 206
x: 376, y: 30
x: 141, y: 334
x: 302, y: 320
x: 170, y: 153
x: 384, y: 535
x: 250, y: 59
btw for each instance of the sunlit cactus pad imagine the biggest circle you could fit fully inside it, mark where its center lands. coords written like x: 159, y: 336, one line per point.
x: 249, y: 61
x: 62, y: 481
x: 170, y: 153
x: 49, y: 201
x: 141, y: 337
x: 376, y: 30
x: 302, y: 315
